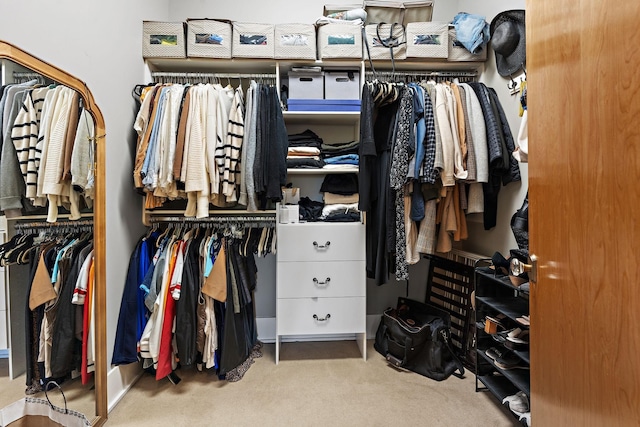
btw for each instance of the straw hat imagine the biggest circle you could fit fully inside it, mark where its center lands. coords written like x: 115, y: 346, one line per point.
x: 508, y: 41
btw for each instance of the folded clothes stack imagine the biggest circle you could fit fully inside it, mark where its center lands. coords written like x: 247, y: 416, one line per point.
x: 338, y: 155
x: 304, y: 150
x: 340, y: 198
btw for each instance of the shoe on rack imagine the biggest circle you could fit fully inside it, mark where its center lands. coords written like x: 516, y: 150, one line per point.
x: 523, y: 320
x: 506, y: 359
x: 495, y: 353
x: 518, y: 339
x: 525, y: 419
x: 518, y: 403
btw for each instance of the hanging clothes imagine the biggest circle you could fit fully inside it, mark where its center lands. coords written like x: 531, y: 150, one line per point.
x: 59, y: 308
x: 430, y: 153
x: 198, y: 300
x: 202, y: 143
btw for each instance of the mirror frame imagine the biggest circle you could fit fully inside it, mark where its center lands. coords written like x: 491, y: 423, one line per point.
x: 19, y: 56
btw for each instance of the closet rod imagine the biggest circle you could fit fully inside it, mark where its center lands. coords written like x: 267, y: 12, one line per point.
x: 32, y: 227
x: 214, y: 219
x: 371, y: 75
x: 213, y: 75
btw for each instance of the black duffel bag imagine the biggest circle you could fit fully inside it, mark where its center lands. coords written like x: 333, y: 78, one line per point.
x: 415, y: 336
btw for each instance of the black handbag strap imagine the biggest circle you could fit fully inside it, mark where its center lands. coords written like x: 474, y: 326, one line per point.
x: 459, y: 365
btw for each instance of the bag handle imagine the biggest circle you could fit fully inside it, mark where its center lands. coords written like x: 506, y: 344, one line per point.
x: 445, y: 338
x: 390, y: 42
x: 46, y: 389
x: 366, y: 44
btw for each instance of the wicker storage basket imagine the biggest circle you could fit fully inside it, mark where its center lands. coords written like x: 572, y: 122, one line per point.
x: 428, y: 40
x: 163, y: 40
x: 459, y: 53
x: 339, y: 41
x: 295, y: 41
x: 209, y: 38
x: 253, y: 40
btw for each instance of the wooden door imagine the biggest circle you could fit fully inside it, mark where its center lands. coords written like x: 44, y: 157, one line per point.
x: 583, y: 60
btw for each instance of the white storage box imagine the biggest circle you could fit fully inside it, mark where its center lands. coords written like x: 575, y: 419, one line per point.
x: 163, y: 40
x: 428, y: 40
x: 377, y: 37
x: 209, y: 38
x: 457, y: 52
x: 306, y: 85
x: 342, y: 85
x: 339, y: 41
x: 295, y: 41
x: 253, y: 40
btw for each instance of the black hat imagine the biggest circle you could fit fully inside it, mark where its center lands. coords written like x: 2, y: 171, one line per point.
x: 508, y: 41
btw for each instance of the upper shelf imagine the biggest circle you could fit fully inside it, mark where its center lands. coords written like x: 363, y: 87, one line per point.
x: 257, y: 65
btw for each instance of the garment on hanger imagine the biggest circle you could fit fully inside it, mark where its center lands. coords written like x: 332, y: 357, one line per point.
x: 437, y: 149
x: 48, y: 156
x: 202, y: 143
x: 59, y: 308
x: 199, y: 296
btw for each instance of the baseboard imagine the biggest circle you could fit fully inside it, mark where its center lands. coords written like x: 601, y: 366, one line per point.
x: 119, y: 380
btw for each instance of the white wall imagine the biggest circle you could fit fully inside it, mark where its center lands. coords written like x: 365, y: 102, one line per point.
x: 500, y: 238
x: 100, y: 43
x: 276, y: 11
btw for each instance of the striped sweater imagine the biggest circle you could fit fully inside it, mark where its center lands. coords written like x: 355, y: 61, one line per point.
x: 233, y: 148
x: 25, y: 137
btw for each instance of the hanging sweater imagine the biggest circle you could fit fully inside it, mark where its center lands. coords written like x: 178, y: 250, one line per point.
x: 233, y: 148
x: 25, y: 136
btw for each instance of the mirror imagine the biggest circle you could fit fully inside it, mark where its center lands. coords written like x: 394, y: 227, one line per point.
x: 16, y: 319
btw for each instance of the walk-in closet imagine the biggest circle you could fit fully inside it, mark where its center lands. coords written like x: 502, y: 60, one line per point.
x: 232, y: 212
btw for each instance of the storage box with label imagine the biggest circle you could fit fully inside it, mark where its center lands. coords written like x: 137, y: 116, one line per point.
x: 342, y: 84
x: 209, y: 38
x: 382, y: 39
x: 295, y: 41
x: 457, y: 52
x: 339, y: 41
x: 306, y: 85
x: 428, y: 40
x: 163, y: 40
x: 253, y: 40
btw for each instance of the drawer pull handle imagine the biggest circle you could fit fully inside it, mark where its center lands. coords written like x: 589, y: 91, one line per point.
x: 318, y: 246
x: 318, y: 283
x: 321, y: 319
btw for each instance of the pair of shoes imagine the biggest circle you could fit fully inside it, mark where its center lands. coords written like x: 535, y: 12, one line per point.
x: 500, y: 264
x: 523, y: 320
x: 525, y: 419
x: 505, y: 359
x: 517, y: 339
x: 518, y: 403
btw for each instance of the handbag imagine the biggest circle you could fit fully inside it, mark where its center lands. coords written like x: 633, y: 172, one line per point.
x: 415, y: 336
x: 34, y: 412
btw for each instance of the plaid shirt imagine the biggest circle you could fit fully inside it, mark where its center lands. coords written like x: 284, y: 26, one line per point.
x: 429, y: 173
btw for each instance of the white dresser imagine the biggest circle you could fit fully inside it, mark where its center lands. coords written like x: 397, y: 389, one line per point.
x: 321, y: 281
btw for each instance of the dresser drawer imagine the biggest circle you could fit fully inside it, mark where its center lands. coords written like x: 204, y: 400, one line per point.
x: 321, y: 279
x: 295, y: 316
x: 321, y: 242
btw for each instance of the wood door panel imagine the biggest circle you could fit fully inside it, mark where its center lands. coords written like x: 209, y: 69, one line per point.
x: 583, y: 59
